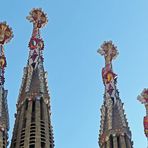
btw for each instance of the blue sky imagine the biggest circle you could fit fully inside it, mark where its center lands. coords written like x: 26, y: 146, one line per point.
x: 75, y: 31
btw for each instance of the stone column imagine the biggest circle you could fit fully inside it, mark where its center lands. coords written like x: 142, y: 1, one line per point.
x: 103, y: 146
x: 21, y: 118
x: 37, y: 122
x: 15, y: 130
x: 1, y: 139
x: 122, y: 141
x: 108, y: 144
x: 129, y: 143
x: 46, y: 123
x: 115, y: 144
x: 28, y: 125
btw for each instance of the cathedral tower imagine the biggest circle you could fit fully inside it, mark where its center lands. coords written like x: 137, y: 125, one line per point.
x: 114, y: 130
x: 32, y: 127
x: 5, y: 36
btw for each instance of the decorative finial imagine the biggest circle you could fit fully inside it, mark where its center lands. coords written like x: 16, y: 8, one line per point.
x: 38, y: 17
x: 143, y: 98
x: 109, y: 51
x: 6, y: 35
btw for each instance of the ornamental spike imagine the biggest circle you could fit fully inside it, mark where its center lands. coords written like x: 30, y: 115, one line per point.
x: 36, y: 44
x: 6, y: 35
x: 110, y: 52
x: 113, y: 119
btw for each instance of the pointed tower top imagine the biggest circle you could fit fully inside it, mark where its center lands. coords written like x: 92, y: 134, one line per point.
x: 38, y: 18
x: 6, y: 35
x: 36, y: 44
x: 109, y: 51
x: 34, y: 79
x: 113, y: 119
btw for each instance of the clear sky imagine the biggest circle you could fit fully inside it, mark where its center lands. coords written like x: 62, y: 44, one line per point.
x: 75, y: 31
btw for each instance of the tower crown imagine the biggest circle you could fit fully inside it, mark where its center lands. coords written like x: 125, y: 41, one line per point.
x: 114, y: 130
x: 34, y: 80
x: 36, y: 44
x: 33, y: 125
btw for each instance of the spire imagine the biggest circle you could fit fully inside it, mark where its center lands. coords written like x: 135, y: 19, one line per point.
x: 36, y: 44
x: 114, y: 130
x: 34, y: 81
x: 5, y: 36
x: 33, y: 127
x: 109, y: 51
x: 143, y: 98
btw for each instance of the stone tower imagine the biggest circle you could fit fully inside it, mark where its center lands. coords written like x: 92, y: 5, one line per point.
x: 32, y: 127
x: 114, y: 130
x: 5, y: 36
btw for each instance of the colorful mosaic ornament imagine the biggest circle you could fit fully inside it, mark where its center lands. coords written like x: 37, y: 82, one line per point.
x: 145, y: 122
x: 3, y: 61
x: 36, y: 43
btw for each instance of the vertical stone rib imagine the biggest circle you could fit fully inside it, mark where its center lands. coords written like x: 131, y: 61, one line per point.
x: 21, y: 119
x: 128, y: 142
x: 28, y: 123
x: 38, y: 126
x: 108, y: 143
x: 115, y: 144
x: 122, y: 142
x: 1, y: 139
x: 46, y: 124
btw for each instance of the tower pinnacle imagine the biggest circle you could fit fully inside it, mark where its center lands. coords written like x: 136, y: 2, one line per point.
x: 36, y: 44
x: 5, y: 36
x: 114, y: 130
x: 33, y: 127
